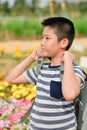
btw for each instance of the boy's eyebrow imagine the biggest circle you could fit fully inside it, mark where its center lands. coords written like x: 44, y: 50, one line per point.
x: 45, y: 34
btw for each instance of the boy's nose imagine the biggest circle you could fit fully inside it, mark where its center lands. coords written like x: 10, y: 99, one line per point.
x: 42, y: 43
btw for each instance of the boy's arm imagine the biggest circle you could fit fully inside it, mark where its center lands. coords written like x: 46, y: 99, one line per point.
x: 16, y: 75
x: 70, y: 83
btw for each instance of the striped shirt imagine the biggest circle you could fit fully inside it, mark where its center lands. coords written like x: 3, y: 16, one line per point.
x: 50, y: 110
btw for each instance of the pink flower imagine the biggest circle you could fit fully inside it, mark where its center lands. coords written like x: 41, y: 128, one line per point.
x: 15, y: 117
x: 27, y: 102
x: 11, y: 128
x: 4, y: 123
x: 11, y: 113
x: 20, y: 102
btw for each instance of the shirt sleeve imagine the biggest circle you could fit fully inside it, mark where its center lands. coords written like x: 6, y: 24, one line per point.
x: 78, y: 71
x: 31, y: 75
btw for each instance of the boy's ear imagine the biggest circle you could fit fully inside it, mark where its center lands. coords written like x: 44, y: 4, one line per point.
x: 64, y: 43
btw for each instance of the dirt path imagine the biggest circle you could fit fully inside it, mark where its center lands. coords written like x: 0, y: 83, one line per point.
x: 25, y: 45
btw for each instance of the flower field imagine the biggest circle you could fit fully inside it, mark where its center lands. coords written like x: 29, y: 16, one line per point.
x: 10, y: 92
x: 11, y: 113
x: 15, y: 100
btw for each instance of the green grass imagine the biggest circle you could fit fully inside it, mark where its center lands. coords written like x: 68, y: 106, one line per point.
x: 80, y: 26
x: 28, y: 28
x: 31, y: 28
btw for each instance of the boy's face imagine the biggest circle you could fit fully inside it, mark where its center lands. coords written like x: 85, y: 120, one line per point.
x: 49, y: 43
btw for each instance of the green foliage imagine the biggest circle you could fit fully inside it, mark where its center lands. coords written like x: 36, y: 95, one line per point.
x: 1, y: 26
x: 21, y: 28
x: 33, y: 8
x: 80, y: 26
x: 31, y: 28
x: 83, y: 7
x: 14, y: 27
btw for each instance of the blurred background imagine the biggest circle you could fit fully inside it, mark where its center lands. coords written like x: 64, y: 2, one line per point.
x: 20, y: 28
x: 20, y: 32
x: 20, y: 19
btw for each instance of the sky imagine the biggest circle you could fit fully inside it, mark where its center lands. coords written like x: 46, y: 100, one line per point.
x: 43, y: 2
x: 11, y: 2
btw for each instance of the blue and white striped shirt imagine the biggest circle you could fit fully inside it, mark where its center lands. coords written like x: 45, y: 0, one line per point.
x: 51, y: 111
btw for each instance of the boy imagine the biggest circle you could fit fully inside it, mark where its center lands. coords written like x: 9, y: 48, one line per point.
x: 53, y: 108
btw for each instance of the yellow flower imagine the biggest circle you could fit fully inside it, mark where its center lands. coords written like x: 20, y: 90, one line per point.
x: 5, y: 83
x: 17, y: 55
x: 17, y: 48
x: 24, y: 93
x: 16, y: 94
x: 2, y: 94
x: 1, y: 88
x: 17, y: 52
x: 3, y: 50
x: 30, y: 97
x: 14, y: 88
x: 34, y: 89
x: 1, y: 75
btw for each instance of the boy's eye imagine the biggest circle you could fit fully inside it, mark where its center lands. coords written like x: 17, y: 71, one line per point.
x: 47, y: 37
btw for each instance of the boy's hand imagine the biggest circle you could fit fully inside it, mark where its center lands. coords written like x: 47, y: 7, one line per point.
x: 36, y: 54
x: 68, y: 57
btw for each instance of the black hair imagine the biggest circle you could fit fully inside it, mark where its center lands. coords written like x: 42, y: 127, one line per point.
x: 64, y: 28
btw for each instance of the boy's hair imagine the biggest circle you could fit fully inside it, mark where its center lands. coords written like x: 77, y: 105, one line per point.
x: 64, y: 28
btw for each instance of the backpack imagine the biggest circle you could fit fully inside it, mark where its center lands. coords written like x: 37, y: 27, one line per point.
x: 80, y: 102
x: 82, y: 107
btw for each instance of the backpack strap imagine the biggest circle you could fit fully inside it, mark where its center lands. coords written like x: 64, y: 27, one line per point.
x: 26, y: 114
x: 82, y: 104
x: 39, y: 64
x: 38, y: 67
x: 85, y: 74
x: 61, y: 71
x: 77, y: 100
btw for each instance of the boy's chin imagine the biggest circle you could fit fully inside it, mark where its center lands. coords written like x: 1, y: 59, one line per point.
x: 47, y: 57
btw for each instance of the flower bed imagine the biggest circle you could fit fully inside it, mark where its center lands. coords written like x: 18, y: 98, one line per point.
x: 12, y: 112
x: 11, y: 91
x: 15, y: 101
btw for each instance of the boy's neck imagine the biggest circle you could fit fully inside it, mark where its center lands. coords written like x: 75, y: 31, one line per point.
x: 55, y: 62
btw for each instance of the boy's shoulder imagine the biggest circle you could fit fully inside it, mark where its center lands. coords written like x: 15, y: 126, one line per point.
x: 77, y: 66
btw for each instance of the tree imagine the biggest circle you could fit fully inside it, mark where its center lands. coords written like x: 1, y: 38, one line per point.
x: 51, y: 7
x: 4, y: 7
x: 21, y: 2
